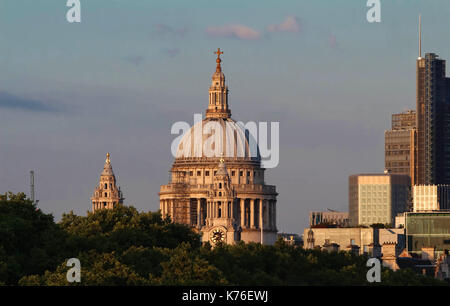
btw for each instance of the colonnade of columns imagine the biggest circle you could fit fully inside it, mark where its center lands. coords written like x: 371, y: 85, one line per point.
x: 167, y: 208
x: 257, y: 211
x: 101, y: 205
x: 249, y: 212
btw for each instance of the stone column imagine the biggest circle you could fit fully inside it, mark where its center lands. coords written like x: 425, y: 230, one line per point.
x: 242, y: 204
x: 261, y: 219
x: 166, y: 203
x: 252, y: 213
x: 167, y: 208
x: 274, y: 215
x: 266, y: 214
x: 208, y: 212
x: 172, y: 208
x: 198, y: 213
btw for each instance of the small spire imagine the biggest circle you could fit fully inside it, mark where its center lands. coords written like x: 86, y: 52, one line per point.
x: 218, y: 60
x: 108, y: 160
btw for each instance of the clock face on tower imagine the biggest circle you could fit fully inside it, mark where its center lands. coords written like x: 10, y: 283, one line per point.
x: 217, y: 235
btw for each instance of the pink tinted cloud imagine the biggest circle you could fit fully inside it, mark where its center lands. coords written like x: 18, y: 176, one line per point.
x: 290, y: 24
x: 234, y: 31
x: 332, y: 41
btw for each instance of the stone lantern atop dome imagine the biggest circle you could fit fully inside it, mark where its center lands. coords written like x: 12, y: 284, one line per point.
x: 218, y: 93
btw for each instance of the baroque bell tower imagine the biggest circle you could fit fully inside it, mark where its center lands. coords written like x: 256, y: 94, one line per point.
x: 221, y: 225
x: 107, y: 194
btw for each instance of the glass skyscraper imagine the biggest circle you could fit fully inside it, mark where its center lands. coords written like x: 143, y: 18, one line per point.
x: 432, y: 162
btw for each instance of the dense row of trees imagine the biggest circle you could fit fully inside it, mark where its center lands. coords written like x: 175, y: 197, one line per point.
x: 125, y: 247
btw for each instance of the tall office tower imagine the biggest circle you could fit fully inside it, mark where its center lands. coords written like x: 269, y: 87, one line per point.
x: 433, y: 118
x: 404, y: 121
x: 399, y: 144
x: 377, y: 198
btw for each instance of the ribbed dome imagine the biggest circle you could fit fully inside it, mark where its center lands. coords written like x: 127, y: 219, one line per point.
x: 218, y: 137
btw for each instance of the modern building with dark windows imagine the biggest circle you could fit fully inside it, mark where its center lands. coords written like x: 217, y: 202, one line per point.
x: 428, y: 230
x: 433, y: 122
x: 328, y: 218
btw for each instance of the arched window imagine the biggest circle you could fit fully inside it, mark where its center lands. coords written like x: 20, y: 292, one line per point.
x: 106, y: 186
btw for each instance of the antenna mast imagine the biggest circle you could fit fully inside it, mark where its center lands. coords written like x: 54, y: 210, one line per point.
x: 420, y: 36
x: 32, y: 186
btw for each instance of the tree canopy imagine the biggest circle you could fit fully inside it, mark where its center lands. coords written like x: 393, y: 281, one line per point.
x: 125, y: 247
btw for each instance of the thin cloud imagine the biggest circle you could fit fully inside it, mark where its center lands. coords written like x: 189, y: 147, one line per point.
x: 166, y: 30
x: 171, y: 52
x: 290, y: 24
x: 136, y: 60
x: 14, y: 102
x: 234, y: 31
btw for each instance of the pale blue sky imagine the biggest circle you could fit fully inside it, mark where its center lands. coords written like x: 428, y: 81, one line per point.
x: 69, y: 93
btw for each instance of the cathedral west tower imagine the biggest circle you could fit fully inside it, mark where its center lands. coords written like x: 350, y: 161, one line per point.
x: 106, y: 194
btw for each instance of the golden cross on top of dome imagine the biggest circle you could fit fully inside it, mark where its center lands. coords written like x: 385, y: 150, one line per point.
x: 108, y: 160
x: 218, y: 52
x: 218, y: 60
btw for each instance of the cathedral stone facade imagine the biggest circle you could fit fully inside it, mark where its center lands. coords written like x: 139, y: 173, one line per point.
x: 107, y: 194
x: 217, y: 183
